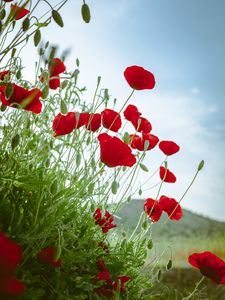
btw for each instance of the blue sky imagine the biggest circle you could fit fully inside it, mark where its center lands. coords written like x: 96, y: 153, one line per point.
x: 183, y: 44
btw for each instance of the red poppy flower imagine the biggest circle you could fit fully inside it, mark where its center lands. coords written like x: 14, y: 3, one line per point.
x: 28, y: 99
x: 166, y: 175
x: 209, y: 265
x: 105, y: 222
x: 121, y: 280
x: 138, y: 142
x: 3, y: 74
x: 153, y: 209
x: 55, y: 67
x: 47, y: 254
x: 10, y: 255
x: 64, y: 124
x: 131, y: 112
x: 111, y: 119
x: 18, y: 12
x: 171, y: 207
x: 94, y: 121
x: 138, y: 78
x: 168, y: 147
x: 10, y: 286
x: 114, y: 152
x: 141, y: 124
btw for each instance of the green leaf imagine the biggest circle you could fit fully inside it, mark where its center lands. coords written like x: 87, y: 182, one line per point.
x: 15, y: 141
x: 169, y: 264
x: 78, y: 159
x: 159, y: 275
x: 85, y: 12
x: 91, y: 187
x: 57, y: 18
x: 37, y: 37
x: 201, y: 165
x: 143, y: 167
x: 63, y: 107
x: 26, y: 24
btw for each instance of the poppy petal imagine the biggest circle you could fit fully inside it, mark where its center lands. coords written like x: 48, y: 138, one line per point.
x: 166, y: 175
x: 168, y: 147
x: 138, y: 78
x: 171, y: 207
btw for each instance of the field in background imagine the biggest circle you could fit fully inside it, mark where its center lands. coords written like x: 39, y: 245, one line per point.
x: 177, y: 240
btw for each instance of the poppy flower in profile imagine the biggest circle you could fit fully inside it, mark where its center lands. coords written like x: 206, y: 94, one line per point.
x: 139, y: 143
x: 93, y: 122
x: 10, y: 255
x: 3, y: 74
x: 114, y: 152
x: 10, y: 286
x: 111, y: 119
x: 171, y: 207
x: 27, y: 99
x: 166, y: 175
x: 153, y: 209
x: 209, y: 265
x: 55, y: 68
x: 141, y: 124
x: 64, y: 124
x: 168, y: 147
x: 131, y: 112
x: 138, y: 78
x: 121, y: 280
x: 104, y: 222
x: 47, y: 255
x: 18, y: 12
x: 109, y: 287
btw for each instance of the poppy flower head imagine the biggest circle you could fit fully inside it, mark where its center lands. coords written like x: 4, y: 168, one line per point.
x: 56, y: 67
x: 166, y: 175
x: 64, y: 124
x: 141, y: 124
x: 138, y: 142
x: 114, y: 152
x: 209, y: 265
x: 104, y: 222
x: 171, y: 207
x: 131, y: 112
x: 3, y: 74
x: 54, y: 82
x: 47, y: 254
x: 111, y: 119
x: 10, y: 286
x: 121, y: 280
x: 168, y: 147
x: 138, y: 78
x: 27, y: 99
x: 94, y: 122
x: 10, y: 255
x: 18, y: 12
x: 153, y: 209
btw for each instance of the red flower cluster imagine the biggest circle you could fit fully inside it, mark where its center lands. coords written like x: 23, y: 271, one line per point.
x: 155, y: 208
x: 47, y: 255
x: 27, y: 99
x: 18, y: 12
x: 166, y: 175
x: 64, y: 124
x: 104, y: 222
x: 138, y: 78
x: 209, y: 265
x: 114, y: 152
x: 10, y: 257
x: 109, y: 287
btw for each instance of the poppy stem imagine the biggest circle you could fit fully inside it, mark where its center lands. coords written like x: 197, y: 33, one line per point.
x: 195, y: 289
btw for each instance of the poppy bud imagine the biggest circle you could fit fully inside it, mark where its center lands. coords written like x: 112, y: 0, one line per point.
x: 85, y: 11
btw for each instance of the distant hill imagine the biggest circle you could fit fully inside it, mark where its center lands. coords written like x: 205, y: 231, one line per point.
x: 191, y: 224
